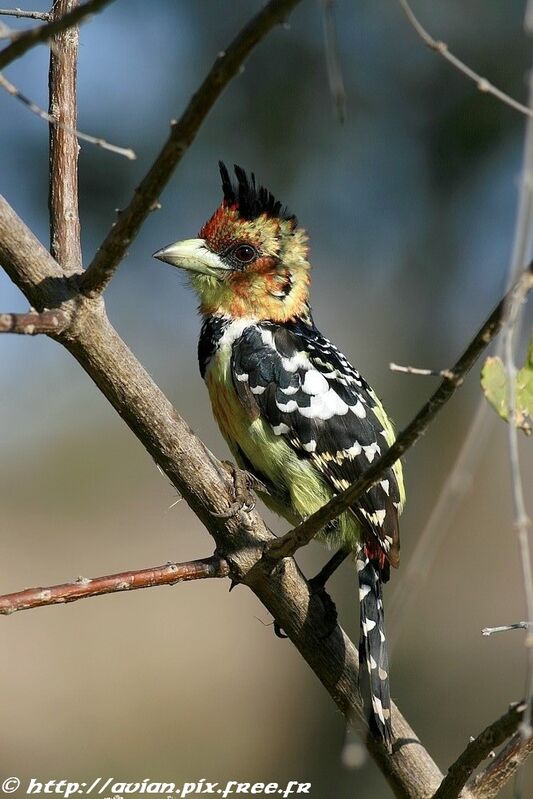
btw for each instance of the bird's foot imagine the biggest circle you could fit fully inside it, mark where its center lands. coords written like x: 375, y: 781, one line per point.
x: 317, y: 587
x: 279, y: 631
x: 243, y: 482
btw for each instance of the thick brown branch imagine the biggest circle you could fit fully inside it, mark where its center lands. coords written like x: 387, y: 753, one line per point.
x: 477, y: 750
x: 25, y: 40
x: 289, y: 543
x: 65, y: 244
x: 197, y: 475
x: 31, y: 324
x: 83, y: 587
x: 182, y: 134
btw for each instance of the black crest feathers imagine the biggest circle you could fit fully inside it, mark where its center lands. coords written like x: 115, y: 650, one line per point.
x: 251, y: 200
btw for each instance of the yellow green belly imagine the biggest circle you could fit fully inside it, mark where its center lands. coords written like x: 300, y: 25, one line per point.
x: 272, y: 457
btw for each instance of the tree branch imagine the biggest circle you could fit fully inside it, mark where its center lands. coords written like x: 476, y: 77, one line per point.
x: 19, y: 12
x: 25, y: 40
x: 489, y: 782
x: 31, y: 324
x: 83, y: 587
x: 289, y: 543
x: 477, y: 750
x: 11, y: 89
x: 65, y: 244
x: 206, y: 486
x: 182, y: 134
x: 442, y: 49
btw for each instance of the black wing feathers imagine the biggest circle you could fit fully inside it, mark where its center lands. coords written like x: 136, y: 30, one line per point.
x: 309, y: 393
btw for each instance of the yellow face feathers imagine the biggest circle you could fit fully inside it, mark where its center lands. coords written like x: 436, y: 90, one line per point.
x: 247, y: 262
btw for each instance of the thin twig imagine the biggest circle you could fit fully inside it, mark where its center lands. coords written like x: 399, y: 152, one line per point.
x: 19, y: 12
x: 415, y: 370
x: 182, y: 134
x: 98, y: 142
x: 519, y: 625
x: 477, y: 750
x: 25, y: 40
x: 442, y: 49
x: 31, y: 324
x: 289, y: 543
x: 84, y: 587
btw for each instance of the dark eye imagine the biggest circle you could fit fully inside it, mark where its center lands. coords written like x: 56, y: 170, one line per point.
x: 245, y: 253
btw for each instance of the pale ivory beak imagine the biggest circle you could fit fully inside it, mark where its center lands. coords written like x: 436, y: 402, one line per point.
x: 193, y: 255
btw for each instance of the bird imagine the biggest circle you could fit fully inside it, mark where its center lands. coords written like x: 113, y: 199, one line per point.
x: 294, y: 412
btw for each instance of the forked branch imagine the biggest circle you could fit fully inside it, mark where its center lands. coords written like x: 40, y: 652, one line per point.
x: 25, y: 40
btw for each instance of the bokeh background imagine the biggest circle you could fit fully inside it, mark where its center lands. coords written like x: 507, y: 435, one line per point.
x: 411, y: 209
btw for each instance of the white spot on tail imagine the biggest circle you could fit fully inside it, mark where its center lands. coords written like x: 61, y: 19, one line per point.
x: 368, y: 625
x: 378, y: 708
x: 363, y: 591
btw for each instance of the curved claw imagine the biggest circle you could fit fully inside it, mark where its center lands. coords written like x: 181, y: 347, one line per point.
x: 244, y: 500
x: 279, y: 632
x: 316, y: 587
x: 233, y: 510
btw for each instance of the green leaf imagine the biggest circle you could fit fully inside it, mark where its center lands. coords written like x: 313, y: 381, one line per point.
x: 494, y: 384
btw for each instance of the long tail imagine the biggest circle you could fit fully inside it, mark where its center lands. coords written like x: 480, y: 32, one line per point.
x: 373, y: 646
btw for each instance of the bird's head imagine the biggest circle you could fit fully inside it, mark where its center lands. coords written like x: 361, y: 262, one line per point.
x: 250, y: 258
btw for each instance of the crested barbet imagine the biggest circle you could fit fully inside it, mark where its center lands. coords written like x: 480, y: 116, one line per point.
x: 294, y: 412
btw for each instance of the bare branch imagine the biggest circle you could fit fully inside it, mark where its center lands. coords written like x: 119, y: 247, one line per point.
x: 25, y: 40
x: 31, y: 324
x: 289, y: 543
x: 44, y: 16
x: 126, y: 152
x: 182, y: 134
x: 490, y: 781
x: 519, y: 625
x: 442, y: 49
x: 65, y: 243
x: 415, y: 370
x: 477, y: 750
x: 83, y: 587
